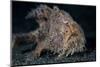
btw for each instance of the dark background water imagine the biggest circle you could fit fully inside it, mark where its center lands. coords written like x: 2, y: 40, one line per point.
x: 84, y: 15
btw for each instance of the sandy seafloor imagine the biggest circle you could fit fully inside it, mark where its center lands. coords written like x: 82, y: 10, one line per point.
x: 23, y: 55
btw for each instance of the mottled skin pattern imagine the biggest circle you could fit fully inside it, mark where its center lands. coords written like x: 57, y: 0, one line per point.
x: 57, y: 32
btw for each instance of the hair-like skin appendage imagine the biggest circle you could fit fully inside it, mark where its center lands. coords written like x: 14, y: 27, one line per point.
x: 57, y: 32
